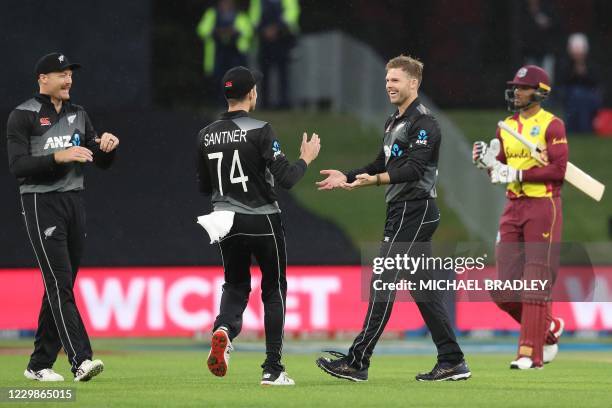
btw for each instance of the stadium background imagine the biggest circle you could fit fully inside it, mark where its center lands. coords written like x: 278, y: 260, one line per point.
x: 148, y: 269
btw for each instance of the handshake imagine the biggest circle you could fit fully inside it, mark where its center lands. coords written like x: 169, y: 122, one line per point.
x: 485, y: 157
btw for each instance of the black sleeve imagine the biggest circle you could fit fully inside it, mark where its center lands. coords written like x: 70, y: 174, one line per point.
x: 285, y: 173
x: 101, y: 159
x: 422, y: 142
x: 21, y: 163
x: 203, y: 174
x: 376, y: 167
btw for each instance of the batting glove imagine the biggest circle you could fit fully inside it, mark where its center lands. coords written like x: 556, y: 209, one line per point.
x: 483, y: 156
x: 503, y: 174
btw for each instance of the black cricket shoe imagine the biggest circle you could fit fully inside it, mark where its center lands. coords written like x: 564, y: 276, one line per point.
x: 340, y: 367
x: 446, y: 372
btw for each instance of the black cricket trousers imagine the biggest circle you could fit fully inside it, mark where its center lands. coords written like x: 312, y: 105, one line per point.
x: 263, y: 237
x: 55, y: 223
x: 409, y: 228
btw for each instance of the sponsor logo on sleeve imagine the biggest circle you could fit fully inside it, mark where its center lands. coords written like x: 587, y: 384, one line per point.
x: 276, y: 149
x: 396, y: 151
x: 422, y: 137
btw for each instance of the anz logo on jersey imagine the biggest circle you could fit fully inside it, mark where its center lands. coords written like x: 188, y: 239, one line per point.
x: 76, y: 139
x: 394, y: 150
x: 57, y: 142
x: 276, y: 148
x: 422, y: 137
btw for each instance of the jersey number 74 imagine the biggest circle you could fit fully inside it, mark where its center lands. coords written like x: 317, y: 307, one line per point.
x: 242, y: 179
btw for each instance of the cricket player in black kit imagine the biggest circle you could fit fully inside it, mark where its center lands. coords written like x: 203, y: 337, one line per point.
x: 407, y: 164
x: 240, y: 163
x: 49, y: 139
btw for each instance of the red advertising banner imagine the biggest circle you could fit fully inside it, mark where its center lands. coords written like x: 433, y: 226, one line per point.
x: 177, y: 301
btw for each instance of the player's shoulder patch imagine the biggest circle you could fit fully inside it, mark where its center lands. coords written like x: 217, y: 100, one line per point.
x: 423, y: 110
x: 31, y: 105
x: 77, y: 108
x: 246, y: 123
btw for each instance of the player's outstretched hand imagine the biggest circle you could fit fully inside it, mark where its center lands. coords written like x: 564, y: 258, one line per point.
x: 309, y: 150
x: 334, y: 179
x: 108, y: 142
x: 73, y: 154
x: 361, y: 180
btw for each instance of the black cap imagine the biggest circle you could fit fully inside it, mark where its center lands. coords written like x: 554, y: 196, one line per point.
x: 238, y: 81
x: 54, y: 62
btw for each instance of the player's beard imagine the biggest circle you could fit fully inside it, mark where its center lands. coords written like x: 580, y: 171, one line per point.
x: 400, y: 98
x: 63, y: 94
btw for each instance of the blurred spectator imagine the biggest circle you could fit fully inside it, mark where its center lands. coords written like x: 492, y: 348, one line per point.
x: 227, y: 33
x: 277, y: 24
x: 579, y: 83
x: 539, y: 27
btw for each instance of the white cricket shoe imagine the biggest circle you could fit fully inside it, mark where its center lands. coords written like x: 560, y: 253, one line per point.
x: 276, y: 379
x: 550, y: 352
x: 219, y: 355
x: 46, y: 374
x: 88, y: 370
x: 523, y: 363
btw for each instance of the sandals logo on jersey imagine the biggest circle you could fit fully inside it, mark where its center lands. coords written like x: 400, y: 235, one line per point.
x: 422, y: 137
x: 276, y: 149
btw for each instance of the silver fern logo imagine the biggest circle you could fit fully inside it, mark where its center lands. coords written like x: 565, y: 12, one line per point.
x: 49, y: 231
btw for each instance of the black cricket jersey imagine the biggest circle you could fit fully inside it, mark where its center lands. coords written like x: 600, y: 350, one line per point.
x: 35, y: 130
x: 410, y: 151
x: 240, y: 162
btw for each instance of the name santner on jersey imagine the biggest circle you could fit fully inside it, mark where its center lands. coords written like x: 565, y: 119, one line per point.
x: 233, y: 136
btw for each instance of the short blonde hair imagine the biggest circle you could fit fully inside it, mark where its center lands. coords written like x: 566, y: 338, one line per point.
x: 408, y: 64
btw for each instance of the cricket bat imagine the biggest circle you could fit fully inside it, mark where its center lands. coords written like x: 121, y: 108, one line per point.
x: 573, y: 174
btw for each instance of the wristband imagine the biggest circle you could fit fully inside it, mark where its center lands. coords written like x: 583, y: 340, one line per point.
x: 378, y: 179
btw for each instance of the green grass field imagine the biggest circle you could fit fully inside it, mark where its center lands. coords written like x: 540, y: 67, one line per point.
x: 169, y: 373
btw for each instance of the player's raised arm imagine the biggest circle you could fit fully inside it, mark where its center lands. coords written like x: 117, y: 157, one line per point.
x: 288, y: 174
